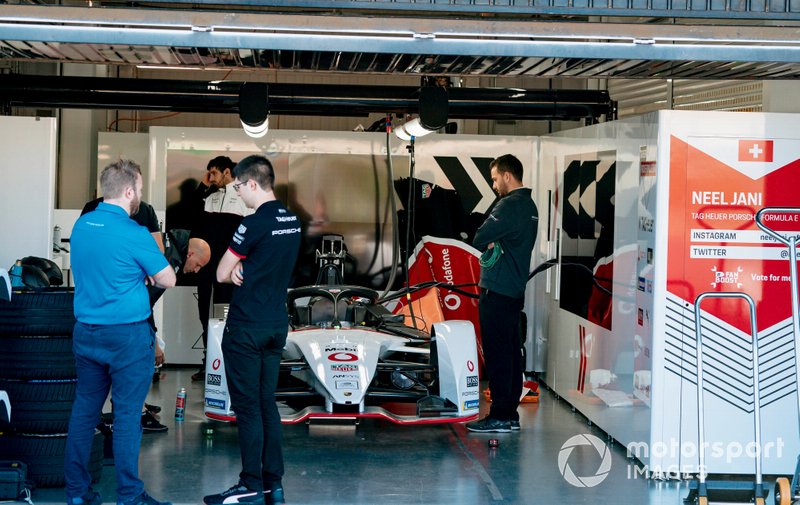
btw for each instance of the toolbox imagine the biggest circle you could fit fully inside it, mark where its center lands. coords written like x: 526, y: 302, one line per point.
x: 13, y: 475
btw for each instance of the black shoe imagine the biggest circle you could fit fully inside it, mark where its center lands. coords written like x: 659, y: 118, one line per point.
x: 515, y: 425
x: 489, y: 425
x: 155, y: 409
x: 90, y: 498
x: 150, y: 424
x: 274, y: 494
x: 199, y: 376
x: 235, y: 494
x: 146, y: 499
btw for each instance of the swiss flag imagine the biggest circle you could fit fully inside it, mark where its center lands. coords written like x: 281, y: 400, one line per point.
x: 755, y: 150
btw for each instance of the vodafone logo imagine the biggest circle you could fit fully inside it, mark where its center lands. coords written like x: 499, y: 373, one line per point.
x: 342, y: 356
x: 470, y: 365
x: 215, y: 364
x: 452, y: 301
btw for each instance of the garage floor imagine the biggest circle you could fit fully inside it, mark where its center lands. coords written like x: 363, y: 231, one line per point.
x: 381, y: 463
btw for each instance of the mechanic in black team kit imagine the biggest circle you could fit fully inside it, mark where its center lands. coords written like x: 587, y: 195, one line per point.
x: 259, y: 262
x: 506, y: 237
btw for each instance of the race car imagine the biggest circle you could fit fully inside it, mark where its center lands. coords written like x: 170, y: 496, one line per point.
x: 348, y: 357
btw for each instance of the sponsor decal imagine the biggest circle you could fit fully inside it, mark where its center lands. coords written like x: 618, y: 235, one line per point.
x: 472, y: 381
x: 346, y: 384
x: 470, y: 404
x: 452, y: 301
x: 214, y: 379
x: 217, y: 392
x: 285, y: 231
x: 641, y: 284
x: 216, y: 364
x: 469, y: 394
x: 640, y: 317
x: 284, y: 219
x: 447, y: 266
x: 727, y: 277
x: 646, y: 224
x: 756, y: 150
x: 344, y: 375
x: 426, y: 190
x: 341, y: 348
x: 647, y: 168
x: 215, y: 403
x: 342, y: 356
x: 344, y: 368
x: 470, y: 365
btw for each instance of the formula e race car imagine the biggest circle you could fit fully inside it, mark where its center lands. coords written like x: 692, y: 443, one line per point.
x: 347, y: 356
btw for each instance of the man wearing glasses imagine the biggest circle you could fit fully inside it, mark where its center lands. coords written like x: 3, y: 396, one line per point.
x: 259, y: 262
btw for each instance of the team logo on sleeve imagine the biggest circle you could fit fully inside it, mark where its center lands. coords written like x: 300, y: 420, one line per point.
x: 242, y: 229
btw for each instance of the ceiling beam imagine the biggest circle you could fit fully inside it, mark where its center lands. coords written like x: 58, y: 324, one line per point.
x: 465, y: 37
x: 298, y: 99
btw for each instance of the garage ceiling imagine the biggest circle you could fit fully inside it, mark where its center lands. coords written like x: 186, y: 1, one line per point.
x: 492, y: 38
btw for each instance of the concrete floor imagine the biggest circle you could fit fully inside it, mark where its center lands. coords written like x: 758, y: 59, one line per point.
x: 381, y: 463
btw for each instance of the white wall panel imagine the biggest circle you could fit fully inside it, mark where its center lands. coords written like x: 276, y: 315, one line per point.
x: 27, y: 195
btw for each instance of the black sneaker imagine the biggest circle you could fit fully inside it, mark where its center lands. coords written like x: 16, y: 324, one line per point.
x: 90, y: 498
x: 489, y: 425
x: 150, y: 424
x: 145, y: 499
x: 274, y: 496
x: 235, y: 494
x: 515, y: 425
x: 155, y: 409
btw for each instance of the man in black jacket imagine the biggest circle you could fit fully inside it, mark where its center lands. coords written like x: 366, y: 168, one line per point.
x: 506, y: 239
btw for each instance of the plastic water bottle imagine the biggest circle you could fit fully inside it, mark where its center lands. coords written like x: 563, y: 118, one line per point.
x: 15, y: 274
x: 180, y: 405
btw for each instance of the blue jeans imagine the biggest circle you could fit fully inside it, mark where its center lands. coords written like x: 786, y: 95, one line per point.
x: 120, y: 358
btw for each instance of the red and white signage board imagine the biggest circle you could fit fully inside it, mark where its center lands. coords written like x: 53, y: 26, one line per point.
x: 714, y: 243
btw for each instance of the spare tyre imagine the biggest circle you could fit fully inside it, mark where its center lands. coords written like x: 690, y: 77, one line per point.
x: 42, y: 312
x: 37, y: 357
x: 40, y: 406
x: 44, y: 455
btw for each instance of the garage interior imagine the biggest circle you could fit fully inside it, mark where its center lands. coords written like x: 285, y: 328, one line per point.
x: 108, y: 66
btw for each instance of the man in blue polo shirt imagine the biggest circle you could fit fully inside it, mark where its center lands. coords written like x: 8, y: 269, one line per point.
x: 112, y: 258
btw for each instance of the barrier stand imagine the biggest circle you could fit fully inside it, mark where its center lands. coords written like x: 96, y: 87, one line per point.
x: 698, y: 490
x: 787, y: 492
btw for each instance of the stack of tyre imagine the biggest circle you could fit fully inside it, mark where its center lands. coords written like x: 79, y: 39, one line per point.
x: 37, y: 370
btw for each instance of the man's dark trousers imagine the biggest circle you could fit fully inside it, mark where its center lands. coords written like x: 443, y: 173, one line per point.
x: 252, y: 362
x: 499, y: 317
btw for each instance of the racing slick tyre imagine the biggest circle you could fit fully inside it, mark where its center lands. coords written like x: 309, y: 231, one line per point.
x: 37, y: 357
x: 40, y: 406
x: 44, y: 455
x: 43, y: 312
